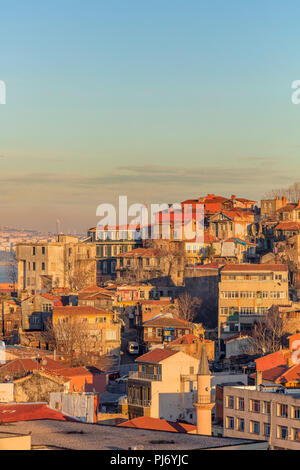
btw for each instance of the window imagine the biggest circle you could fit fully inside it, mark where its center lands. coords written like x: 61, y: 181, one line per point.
x: 111, y: 335
x: 255, y: 406
x: 33, y: 266
x: 33, y: 251
x: 254, y: 427
x: 296, y: 435
x: 267, y: 407
x: 282, y: 432
x: 282, y: 410
x: 296, y: 412
x: 43, y: 250
x: 241, y: 404
x: 229, y: 422
x: 43, y: 266
x: 267, y: 429
x: 100, y: 319
x: 230, y: 402
x: 240, y: 425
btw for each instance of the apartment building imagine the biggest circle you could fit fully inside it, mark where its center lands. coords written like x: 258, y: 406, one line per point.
x: 65, y: 263
x: 246, y: 292
x: 164, y: 386
x: 265, y: 412
x: 162, y: 329
x: 102, y: 328
x: 110, y: 242
x: 269, y: 207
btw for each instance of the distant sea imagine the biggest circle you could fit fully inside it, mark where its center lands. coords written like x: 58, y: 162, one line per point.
x: 3, y: 274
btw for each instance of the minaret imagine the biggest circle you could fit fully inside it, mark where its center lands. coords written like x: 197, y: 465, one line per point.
x: 203, y: 402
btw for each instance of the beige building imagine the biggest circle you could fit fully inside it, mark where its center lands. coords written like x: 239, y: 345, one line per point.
x: 164, y: 386
x: 65, y: 263
x: 267, y: 413
x: 246, y: 292
x: 269, y: 207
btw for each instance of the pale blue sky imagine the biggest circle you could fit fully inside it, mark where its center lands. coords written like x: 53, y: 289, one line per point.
x: 160, y: 100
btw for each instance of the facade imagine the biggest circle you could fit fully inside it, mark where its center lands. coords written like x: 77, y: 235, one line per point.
x: 192, y: 345
x: 231, y: 223
x: 246, y: 292
x: 265, y: 412
x: 65, y: 263
x: 102, y: 328
x: 162, y: 329
x: 37, y: 310
x: 110, y: 242
x: 10, y: 320
x: 269, y: 207
x: 163, y: 386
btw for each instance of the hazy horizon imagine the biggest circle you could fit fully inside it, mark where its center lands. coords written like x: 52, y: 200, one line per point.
x: 159, y: 101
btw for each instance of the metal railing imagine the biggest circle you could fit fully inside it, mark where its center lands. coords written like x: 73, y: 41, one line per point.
x: 201, y: 400
x: 144, y: 376
x: 135, y: 402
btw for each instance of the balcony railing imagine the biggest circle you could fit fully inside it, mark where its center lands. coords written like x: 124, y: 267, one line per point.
x: 144, y: 376
x: 201, y: 400
x: 135, y: 402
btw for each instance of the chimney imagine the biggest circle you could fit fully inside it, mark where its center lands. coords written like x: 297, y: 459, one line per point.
x: 258, y: 379
x: 54, y: 355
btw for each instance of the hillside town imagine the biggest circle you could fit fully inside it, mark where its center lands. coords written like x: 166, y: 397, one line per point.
x: 128, y: 338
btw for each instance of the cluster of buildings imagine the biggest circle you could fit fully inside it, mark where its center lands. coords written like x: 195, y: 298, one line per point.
x: 197, y: 337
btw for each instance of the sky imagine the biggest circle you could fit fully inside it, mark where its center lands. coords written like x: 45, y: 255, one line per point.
x: 159, y: 100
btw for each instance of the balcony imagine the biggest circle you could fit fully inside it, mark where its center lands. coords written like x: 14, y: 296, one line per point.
x: 144, y: 376
x: 201, y: 400
x: 142, y: 403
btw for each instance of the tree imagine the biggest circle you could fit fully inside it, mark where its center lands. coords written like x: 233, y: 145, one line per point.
x: 269, y: 334
x: 70, y: 337
x: 80, y: 274
x: 292, y: 193
x: 187, y: 306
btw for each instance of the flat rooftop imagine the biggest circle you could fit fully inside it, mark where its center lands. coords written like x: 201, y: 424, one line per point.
x: 270, y: 388
x: 78, y: 436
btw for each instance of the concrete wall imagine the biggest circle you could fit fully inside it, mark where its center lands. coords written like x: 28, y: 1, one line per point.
x: 6, y: 392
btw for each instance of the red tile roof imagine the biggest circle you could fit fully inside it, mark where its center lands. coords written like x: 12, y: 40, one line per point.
x: 254, y: 267
x: 53, y: 298
x: 290, y: 375
x: 156, y: 355
x: 156, y: 424
x: 186, y: 339
x: 80, y: 310
x: 272, y: 374
x: 10, y: 413
x: 277, y: 358
x: 140, y: 253
x: 288, y: 226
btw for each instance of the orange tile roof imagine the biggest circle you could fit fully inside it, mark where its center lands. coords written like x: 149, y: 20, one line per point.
x: 254, y: 267
x: 10, y: 413
x: 288, y: 226
x: 288, y: 208
x: 164, y: 321
x: 272, y: 374
x: 186, y: 339
x: 140, y: 252
x: 156, y: 355
x: 156, y: 424
x: 290, y: 375
x: 80, y: 310
x: 277, y: 358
